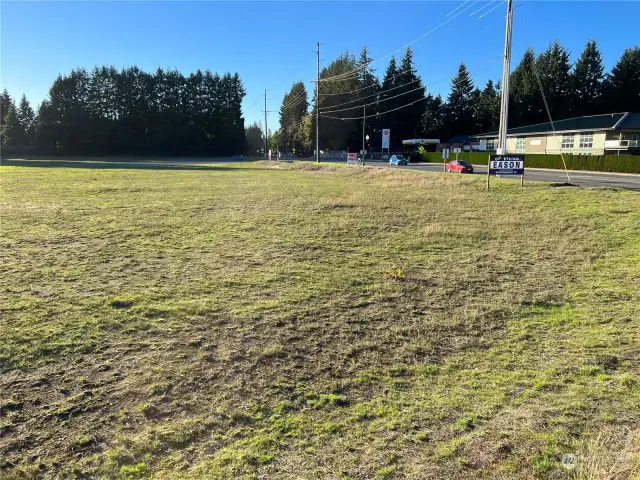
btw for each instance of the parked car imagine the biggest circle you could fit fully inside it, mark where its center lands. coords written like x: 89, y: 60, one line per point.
x: 238, y: 157
x: 459, y: 166
x: 398, y: 160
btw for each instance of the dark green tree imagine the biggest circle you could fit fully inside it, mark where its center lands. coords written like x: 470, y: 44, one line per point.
x: 622, y: 90
x: 390, y: 81
x: 460, y: 109
x: 255, y: 139
x: 433, y: 118
x: 27, y: 120
x: 5, y: 102
x: 368, y: 90
x: 339, y: 99
x: 13, y: 134
x: 525, y: 100
x: 408, y: 118
x: 487, y: 109
x: 588, y: 81
x: 554, y: 69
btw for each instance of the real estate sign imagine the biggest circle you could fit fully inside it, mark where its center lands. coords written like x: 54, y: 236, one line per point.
x: 506, y: 165
x: 386, y: 137
x: 352, y: 158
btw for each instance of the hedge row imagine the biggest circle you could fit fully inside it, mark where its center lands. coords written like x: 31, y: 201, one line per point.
x: 596, y: 163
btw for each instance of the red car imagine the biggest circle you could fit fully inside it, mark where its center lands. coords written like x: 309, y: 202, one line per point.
x: 459, y: 166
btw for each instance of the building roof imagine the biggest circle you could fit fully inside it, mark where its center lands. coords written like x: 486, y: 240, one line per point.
x: 462, y: 139
x: 609, y: 121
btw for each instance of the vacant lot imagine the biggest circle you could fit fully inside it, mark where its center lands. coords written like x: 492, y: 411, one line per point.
x: 245, y: 321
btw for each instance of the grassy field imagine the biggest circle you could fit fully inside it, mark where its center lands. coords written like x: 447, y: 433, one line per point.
x: 246, y: 321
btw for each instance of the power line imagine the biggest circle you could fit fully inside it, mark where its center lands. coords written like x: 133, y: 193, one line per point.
x: 340, y: 76
x: 483, y: 7
x: 377, y: 114
x: 369, y: 96
x: 487, y: 13
x: 376, y: 102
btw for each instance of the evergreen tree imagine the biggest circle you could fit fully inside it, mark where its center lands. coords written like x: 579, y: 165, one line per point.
x: 408, y: 118
x: 588, y: 81
x: 459, y: 108
x: 433, y: 118
x: 338, y: 98
x: 622, y: 90
x: 525, y: 101
x: 369, y: 89
x: 5, y: 102
x: 388, y: 89
x: 13, y: 134
x: 255, y: 139
x: 554, y: 69
x: 27, y: 118
x: 487, y: 113
x: 294, y: 107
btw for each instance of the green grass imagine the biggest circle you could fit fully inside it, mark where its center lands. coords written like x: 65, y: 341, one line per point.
x: 247, y: 321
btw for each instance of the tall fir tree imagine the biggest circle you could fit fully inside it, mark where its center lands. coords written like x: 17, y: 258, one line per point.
x: 433, y: 118
x: 13, y: 134
x: 487, y: 109
x: 460, y: 108
x: 525, y: 101
x: 408, y: 118
x: 622, y: 90
x: 5, y: 102
x: 388, y: 90
x: 588, y: 81
x: 554, y: 68
x: 27, y: 120
x: 369, y: 89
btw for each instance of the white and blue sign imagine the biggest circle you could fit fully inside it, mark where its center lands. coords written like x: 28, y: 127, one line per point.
x: 506, y: 165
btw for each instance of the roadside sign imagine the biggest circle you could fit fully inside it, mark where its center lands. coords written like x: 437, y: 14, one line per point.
x: 386, y: 137
x: 421, y: 150
x: 352, y: 158
x: 445, y: 153
x: 457, y: 150
x: 506, y: 165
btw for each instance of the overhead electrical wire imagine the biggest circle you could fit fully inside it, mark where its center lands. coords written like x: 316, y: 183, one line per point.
x: 373, y: 103
x: 440, y: 25
x: 368, y: 96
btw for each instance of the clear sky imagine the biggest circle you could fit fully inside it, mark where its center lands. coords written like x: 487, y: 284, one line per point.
x: 272, y: 44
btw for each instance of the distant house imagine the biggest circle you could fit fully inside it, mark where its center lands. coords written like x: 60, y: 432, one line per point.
x: 613, y: 133
x: 465, y: 143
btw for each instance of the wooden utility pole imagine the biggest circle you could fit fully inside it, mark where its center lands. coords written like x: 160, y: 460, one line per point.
x: 317, y: 102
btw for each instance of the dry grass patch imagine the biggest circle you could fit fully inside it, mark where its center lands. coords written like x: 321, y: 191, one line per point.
x: 310, y: 320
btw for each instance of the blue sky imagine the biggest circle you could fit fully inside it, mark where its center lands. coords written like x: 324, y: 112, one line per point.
x: 272, y: 44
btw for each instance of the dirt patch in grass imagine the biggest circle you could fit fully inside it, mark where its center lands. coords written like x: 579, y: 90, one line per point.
x: 331, y: 323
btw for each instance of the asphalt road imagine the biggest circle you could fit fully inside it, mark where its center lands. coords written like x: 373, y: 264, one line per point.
x: 583, y: 179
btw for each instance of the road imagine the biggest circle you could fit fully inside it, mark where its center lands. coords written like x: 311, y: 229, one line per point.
x: 583, y: 179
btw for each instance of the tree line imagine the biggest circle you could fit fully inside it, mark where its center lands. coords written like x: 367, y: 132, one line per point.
x: 399, y: 100
x: 129, y: 111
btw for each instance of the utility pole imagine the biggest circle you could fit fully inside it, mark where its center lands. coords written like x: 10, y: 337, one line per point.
x: 504, y: 101
x: 266, y: 127
x: 317, y: 102
x: 364, y: 122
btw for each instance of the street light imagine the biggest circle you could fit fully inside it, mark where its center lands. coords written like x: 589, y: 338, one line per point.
x: 367, y: 138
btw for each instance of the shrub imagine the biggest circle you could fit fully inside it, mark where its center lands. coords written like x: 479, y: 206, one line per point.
x: 595, y: 163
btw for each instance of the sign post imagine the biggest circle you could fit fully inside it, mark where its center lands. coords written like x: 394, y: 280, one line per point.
x: 505, y: 165
x: 445, y: 156
x: 386, y: 141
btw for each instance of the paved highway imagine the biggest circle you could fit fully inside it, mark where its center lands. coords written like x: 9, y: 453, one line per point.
x: 584, y: 179
x: 581, y: 178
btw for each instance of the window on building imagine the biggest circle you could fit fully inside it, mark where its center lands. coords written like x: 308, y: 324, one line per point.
x: 568, y: 140
x: 491, y: 143
x: 586, y: 140
x: 520, y: 143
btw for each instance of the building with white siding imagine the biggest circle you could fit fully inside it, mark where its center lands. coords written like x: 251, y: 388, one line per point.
x: 609, y: 134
